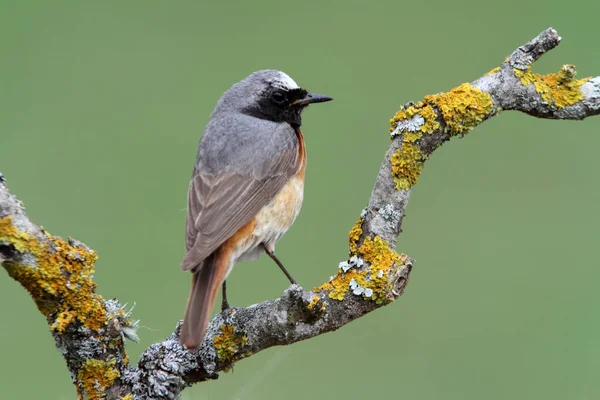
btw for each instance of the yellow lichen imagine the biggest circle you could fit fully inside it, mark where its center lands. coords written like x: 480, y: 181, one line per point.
x: 313, y: 302
x: 428, y: 113
x: 95, y: 376
x: 430, y: 123
x: 327, y: 286
x: 462, y: 108
x: 492, y: 72
x: 381, y: 258
x: 340, y: 284
x: 59, y: 280
x: 10, y: 234
x: 378, y: 253
x: 228, y: 343
x: 62, y: 321
x: 407, y: 164
x: 354, y: 236
x: 127, y: 397
x: 560, y: 89
x: 411, y: 137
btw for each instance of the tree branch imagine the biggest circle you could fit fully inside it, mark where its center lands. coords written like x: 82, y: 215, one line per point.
x: 90, y: 331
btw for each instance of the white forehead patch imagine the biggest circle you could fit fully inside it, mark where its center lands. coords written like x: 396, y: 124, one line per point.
x: 286, y: 82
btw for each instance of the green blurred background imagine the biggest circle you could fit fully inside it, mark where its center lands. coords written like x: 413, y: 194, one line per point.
x: 101, y: 108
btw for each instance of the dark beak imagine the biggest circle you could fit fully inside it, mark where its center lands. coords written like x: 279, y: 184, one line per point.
x: 310, y: 98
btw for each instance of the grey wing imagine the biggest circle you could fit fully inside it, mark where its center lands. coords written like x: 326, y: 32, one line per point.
x: 219, y: 205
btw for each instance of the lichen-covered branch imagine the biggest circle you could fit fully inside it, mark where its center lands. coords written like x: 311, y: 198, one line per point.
x: 418, y: 129
x: 90, y: 331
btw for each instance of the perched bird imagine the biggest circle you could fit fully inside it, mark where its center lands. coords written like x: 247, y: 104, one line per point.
x: 247, y: 186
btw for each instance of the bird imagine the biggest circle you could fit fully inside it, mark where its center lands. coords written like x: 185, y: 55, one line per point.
x: 246, y: 188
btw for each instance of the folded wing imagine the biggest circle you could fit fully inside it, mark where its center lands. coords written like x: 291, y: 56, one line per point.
x: 219, y: 205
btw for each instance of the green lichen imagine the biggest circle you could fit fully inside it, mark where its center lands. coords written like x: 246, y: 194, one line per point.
x: 559, y: 89
x: 60, y: 281
x: 228, y: 344
x: 94, y: 377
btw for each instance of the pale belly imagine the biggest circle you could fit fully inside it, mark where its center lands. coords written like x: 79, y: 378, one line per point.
x: 273, y: 220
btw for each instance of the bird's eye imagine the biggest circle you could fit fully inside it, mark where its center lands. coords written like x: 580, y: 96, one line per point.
x: 278, y: 97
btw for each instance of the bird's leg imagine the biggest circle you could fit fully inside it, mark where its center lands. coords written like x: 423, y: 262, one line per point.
x: 224, y: 302
x: 279, y: 264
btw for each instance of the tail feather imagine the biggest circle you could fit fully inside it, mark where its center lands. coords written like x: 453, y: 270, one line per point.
x: 205, y: 285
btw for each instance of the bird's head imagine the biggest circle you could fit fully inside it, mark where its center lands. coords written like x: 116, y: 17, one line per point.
x: 269, y: 94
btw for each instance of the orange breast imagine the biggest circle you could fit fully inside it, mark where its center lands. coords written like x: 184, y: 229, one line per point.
x: 301, y: 153
x: 274, y: 219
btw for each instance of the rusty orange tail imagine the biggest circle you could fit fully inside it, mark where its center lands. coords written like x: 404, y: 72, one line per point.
x: 205, y: 286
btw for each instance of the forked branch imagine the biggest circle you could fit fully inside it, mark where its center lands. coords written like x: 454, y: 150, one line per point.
x: 90, y: 331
